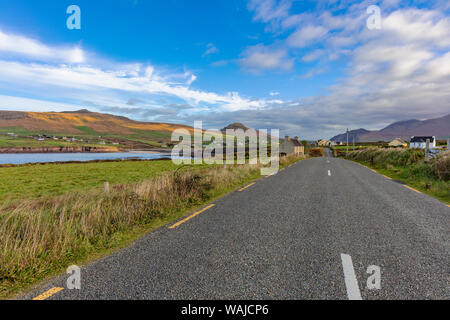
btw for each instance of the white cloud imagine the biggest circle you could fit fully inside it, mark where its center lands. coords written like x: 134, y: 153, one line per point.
x: 191, y: 79
x: 397, y: 73
x: 260, y: 58
x: 29, y: 48
x: 90, y: 79
x: 313, y: 72
x: 418, y: 26
x: 306, y: 36
x: 211, y: 48
x: 269, y: 10
x: 340, y: 41
x: 112, y: 83
x: 313, y: 56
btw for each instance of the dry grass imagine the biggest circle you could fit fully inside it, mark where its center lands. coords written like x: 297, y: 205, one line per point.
x: 442, y: 166
x: 38, y: 237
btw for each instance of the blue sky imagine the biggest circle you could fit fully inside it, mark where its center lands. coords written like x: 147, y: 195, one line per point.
x: 309, y: 68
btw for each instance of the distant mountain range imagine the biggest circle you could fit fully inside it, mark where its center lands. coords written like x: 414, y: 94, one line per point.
x: 439, y: 127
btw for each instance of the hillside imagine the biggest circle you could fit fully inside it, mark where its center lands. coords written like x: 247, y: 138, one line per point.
x: 439, y: 127
x: 354, y: 134
x: 86, y: 127
x: 235, y: 126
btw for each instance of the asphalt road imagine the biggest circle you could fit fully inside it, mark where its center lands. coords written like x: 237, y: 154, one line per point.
x: 283, y: 238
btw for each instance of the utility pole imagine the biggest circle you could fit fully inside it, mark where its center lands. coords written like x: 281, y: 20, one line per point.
x: 347, y: 142
x: 427, y: 150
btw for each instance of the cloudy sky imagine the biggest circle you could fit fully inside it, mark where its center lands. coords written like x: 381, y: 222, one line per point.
x: 308, y: 68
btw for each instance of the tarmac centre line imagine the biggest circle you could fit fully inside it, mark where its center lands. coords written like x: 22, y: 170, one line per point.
x: 351, y: 283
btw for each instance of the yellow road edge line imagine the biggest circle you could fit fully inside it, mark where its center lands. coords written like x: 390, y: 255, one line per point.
x: 248, y: 186
x: 48, y: 293
x: 191, y: 216
x: 373, y: 170
x: 411, y: 188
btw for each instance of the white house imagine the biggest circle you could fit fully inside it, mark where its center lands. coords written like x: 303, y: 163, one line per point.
x: 421, y: 142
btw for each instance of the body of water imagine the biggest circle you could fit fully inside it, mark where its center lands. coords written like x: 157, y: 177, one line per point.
x: 22, y: 158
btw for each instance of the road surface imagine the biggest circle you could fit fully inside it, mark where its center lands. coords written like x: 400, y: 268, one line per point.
x: 309, y: 232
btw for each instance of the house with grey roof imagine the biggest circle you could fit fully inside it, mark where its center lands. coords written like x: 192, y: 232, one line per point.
x: 290, y: 146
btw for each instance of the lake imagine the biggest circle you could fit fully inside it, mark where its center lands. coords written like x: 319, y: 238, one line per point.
x: 22, y: 158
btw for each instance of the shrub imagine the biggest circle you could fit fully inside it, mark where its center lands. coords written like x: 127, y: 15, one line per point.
x: 384, y: 157
x: 442, y: 166
x: 316, y: 152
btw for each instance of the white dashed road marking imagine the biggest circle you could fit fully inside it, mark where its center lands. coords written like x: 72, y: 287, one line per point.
x: 329, y: 173
x: 351, y: 283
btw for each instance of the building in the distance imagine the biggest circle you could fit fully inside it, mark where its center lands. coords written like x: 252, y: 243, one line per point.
x: 421, y: 142
x: 290, y: 146
x: 398, y: 142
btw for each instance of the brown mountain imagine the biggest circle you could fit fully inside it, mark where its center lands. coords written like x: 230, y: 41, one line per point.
x: 76, y: 122
x: 439, y: 127
x: 88, y: 125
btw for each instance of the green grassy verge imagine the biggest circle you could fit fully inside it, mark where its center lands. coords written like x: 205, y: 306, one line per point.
x: 408, y: 166
x: 40, y: 238
x: 415, y: 179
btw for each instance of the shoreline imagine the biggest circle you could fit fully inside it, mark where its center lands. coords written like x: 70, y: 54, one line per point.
x: 86, y: 150
x: 50, y: 150
x: 7, y: 165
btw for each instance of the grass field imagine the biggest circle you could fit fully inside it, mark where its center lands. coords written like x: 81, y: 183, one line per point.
x: 34, y: 181
x: 41, y: 237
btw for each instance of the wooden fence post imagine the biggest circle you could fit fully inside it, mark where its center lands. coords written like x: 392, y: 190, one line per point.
x: 106, y: 187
